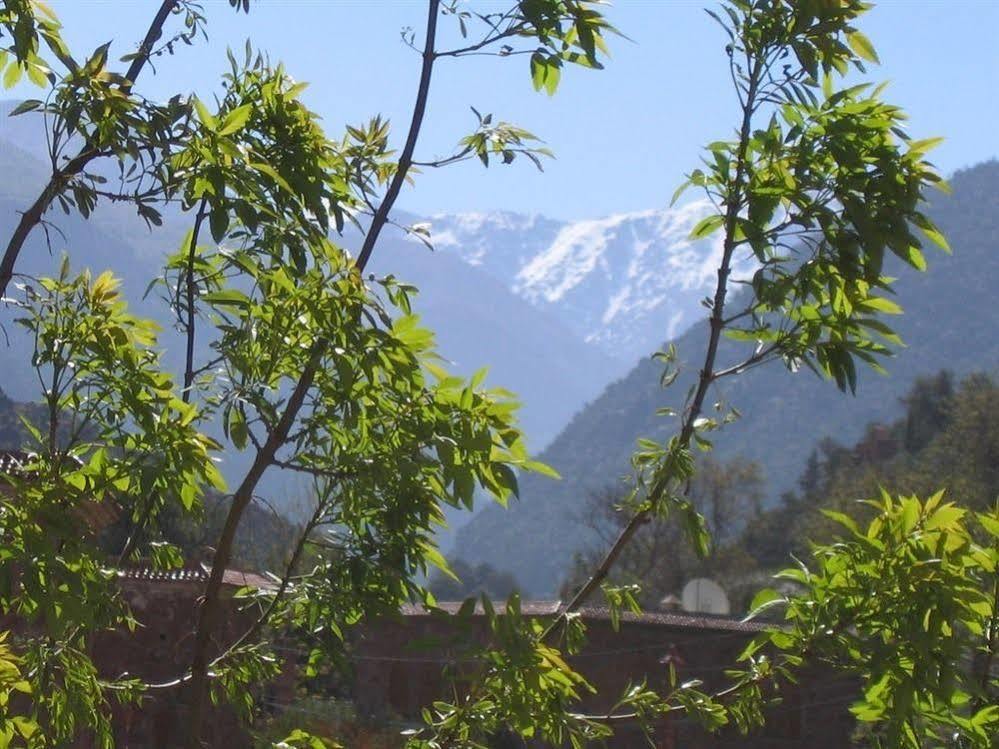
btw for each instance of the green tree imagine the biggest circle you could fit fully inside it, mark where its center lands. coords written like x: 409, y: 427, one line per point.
x: 314, y: 368
x: 908, y: 604
x: 820, y: 183
x: 957, y: 449
x: 927, y: 409
x: 312, y: 371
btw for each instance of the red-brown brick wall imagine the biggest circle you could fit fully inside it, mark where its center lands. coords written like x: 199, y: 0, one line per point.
x: 392, y: 678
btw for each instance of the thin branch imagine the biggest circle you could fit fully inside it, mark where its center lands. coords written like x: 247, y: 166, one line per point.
x: 462, y: 155
x: 312, y: 471
x: 510, y: 32
x: 265, y: 616
x: 733, y: 205
x: 406, y: 158
x: 191, y: 316
x: 759, y: 357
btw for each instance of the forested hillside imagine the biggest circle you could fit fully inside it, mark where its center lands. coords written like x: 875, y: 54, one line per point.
x: 947, y: 436
x: 950, y: 321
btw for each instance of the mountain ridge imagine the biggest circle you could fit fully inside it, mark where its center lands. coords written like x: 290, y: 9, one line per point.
x: 624, y: 282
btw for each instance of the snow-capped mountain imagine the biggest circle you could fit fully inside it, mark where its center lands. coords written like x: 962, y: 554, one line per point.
x: 625, y: 283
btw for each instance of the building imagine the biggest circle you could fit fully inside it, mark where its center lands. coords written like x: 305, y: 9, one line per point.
x: 164, y: 604
x: 395, y: 676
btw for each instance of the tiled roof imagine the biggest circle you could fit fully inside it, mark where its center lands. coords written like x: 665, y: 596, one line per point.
x: 673, y: 619
x: 527, y: 608
x: 234, y: 578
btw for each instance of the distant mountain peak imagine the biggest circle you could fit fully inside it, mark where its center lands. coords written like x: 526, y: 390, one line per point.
x: 613, y: 280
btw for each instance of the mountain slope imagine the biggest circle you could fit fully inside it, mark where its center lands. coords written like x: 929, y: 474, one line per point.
x: 950, y: 321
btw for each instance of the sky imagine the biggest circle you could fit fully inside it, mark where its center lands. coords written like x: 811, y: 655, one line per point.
x: 623, y: 137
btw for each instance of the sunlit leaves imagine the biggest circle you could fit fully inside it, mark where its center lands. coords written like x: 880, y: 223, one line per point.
x: 501, y: 139
x: 862, y: 46
x: 822, y: 191
x: 707, y: 226
x: 28, y: 24
x: 14, y: 729
x: 905, y: 602
x: 520, y: 684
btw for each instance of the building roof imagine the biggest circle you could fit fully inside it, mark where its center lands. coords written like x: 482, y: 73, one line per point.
x: 198, y: 575
x: 671, y: 619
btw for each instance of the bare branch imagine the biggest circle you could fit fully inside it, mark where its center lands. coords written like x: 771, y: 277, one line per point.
x: 406, y: 158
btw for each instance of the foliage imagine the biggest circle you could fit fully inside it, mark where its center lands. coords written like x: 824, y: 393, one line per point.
x: 320, y: 371
x: 12, y: 683
x: 797, y: 190
x: 947, y: 436
x: 909, y: 604
x: 321, y: 723
x: 784, y: 414
x: 314, y: 368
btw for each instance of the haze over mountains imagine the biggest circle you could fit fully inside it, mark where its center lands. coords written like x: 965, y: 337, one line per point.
x: 950, y: 321
x: 557, y: 310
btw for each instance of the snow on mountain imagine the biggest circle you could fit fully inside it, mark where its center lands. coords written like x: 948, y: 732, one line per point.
x: 625, y: 283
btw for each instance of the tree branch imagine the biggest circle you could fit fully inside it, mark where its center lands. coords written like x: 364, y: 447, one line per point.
x: 240, y: 501
x: 191, y: 250
x: 31, y: 217
x: 406, y: 158
x: 266, y: 456
x: 706, y: 377
x: 512, y: 31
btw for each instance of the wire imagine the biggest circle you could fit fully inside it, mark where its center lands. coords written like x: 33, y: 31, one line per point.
x: 664, y: 648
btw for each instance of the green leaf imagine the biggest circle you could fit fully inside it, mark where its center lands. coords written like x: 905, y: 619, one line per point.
x: 845, y: 520
x: 679, y: 191
x: 862, y: 47
x: 707, y: 226
x: 204, y: 116
x: 763, y: 600
x: 880, y: 304
x: 236, y: 119
x: 543, y: 468
x: 272, y: 173
x: 11, y: 75
x: 433, y: 555
x: 28, y: 105
x: 934, y: 235
x: 228, y: 297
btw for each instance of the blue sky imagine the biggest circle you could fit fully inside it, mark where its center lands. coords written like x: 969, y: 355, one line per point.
x: 623, y: 136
